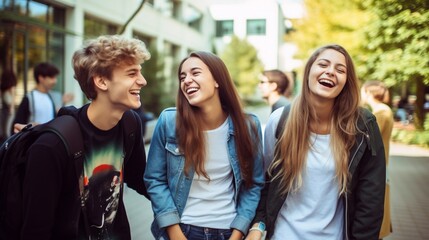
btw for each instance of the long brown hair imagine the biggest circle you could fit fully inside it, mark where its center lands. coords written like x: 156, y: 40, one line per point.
x: 189, y: 131
x: 291, y: 150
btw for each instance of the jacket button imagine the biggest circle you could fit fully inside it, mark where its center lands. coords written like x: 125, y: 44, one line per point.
x: 176, y: 150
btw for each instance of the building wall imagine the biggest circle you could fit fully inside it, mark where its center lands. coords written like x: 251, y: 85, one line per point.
x: 268, y: 45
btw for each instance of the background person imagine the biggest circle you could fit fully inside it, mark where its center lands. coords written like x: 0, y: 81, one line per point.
x: 204, y: 171
x: 274, y: 84
x: 374, y: 94
x: 8, y: 92
x: 42, y: 104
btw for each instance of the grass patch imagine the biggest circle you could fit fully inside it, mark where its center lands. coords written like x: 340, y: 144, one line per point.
x: 414, y: 137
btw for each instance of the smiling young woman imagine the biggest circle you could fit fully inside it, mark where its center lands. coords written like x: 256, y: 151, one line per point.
x: 205, y: 158
x: 327, y: 166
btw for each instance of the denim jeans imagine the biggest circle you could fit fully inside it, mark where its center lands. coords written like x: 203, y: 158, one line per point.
x: 203, y: 233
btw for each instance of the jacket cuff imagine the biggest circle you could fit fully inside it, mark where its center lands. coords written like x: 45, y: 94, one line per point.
x: 168, y: 219
x: 242, y: 224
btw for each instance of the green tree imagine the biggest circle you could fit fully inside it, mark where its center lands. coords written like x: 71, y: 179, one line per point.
x: 243, y: 64
x: 397, y: 46
x: 153, y: 95
x: 326, y: 22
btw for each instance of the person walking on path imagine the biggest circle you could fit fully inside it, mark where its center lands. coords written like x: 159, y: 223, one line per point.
x: 274, y: 84
x: 41, y: 104
x: 374, y: 94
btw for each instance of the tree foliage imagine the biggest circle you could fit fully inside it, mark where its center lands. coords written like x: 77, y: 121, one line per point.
x: 388, y: 40
x: 397, y: 46
x: 243, y: 64
x: 326, y: 22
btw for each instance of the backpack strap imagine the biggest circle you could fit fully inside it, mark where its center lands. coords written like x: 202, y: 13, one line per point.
x: 30, y: 97
x: 68, y: 129
x: 130, y: 123
x: 282, y: 121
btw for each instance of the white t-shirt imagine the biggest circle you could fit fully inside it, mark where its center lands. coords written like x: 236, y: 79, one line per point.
x: 44, y: 108
x: 211, y: 203
x: 315, y: 211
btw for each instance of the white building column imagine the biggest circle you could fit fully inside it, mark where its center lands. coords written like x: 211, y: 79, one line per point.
x: 75, y: 24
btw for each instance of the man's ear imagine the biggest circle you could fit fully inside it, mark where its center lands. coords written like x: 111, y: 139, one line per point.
x: 273, y: 86
x: 100, y: 82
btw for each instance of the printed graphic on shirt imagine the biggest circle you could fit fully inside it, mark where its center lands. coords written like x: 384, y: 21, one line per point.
x: 103, y: 182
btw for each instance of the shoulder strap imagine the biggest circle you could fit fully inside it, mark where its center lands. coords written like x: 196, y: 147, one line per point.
x: 31, y: 108
x: 282, y: 121
x: 68, y: 129
x: 54, y: 108
x: 130, y: 124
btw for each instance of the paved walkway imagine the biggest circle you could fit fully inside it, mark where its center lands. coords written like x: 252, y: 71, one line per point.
x: 409, y: 180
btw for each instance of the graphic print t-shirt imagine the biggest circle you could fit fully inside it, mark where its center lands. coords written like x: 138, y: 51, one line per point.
x: 102, y: 177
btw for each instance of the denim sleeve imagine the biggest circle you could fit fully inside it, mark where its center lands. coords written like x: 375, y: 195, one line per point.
x: 248, y: 198
x: 155, y: 176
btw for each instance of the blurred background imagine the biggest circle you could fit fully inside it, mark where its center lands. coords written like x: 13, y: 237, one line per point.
x: 388, y: 41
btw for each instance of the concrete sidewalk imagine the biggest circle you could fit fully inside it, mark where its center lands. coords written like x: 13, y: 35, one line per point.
x: 400, y: 149
x: 409, y: 179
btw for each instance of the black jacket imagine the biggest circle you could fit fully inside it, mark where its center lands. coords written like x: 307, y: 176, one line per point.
x: 364, y: 201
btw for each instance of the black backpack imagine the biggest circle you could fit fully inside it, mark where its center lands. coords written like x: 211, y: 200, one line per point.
x: 282, y: 121
x: 13, y: 160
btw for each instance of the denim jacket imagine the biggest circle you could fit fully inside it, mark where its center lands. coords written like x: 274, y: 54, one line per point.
x: 168, y: 186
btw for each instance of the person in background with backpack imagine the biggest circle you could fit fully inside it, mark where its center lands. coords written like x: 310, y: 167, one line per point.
x: 204, y: 172
x: 273, y: 85
x: 327, y: 170
x: 41, y: 104
x: 58, y: 204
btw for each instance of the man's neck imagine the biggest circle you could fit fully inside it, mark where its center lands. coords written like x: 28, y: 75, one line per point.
x: 42, y: 89
x: 273, y: 98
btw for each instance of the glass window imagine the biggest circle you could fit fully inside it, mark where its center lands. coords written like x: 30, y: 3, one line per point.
x: 164, y: 6
x: 94, y: 27
x: 224, y: 28
x: 38, y: 11
x: 146, y: 39
x: 256, y: 27
x: 192, y: 17
x: 17, y: 6
x: 27, y: 44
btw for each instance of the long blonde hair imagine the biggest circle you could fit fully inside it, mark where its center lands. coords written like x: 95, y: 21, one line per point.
x: 294, y: 142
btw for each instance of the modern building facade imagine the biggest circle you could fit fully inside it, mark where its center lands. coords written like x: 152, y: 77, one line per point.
x: 262, y: 23
x: 51, y: 30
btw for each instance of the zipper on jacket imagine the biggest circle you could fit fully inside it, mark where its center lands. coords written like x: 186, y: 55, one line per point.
x: 346, y: 197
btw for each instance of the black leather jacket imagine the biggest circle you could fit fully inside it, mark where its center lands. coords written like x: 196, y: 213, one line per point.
x: 364, y: 201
